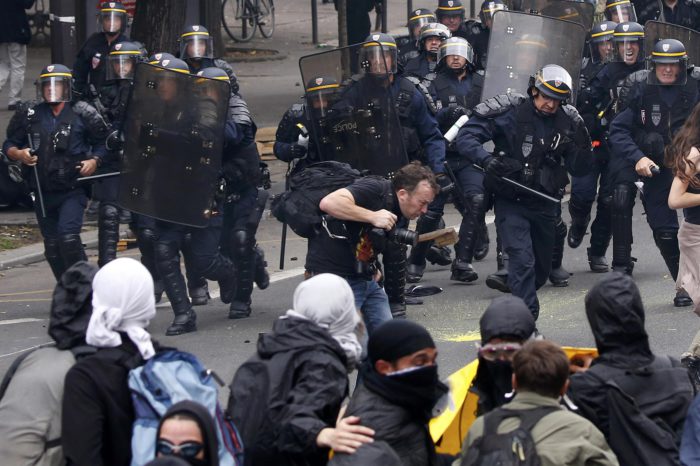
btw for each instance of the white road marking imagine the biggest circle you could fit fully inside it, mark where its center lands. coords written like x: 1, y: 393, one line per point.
x: 19, y: 321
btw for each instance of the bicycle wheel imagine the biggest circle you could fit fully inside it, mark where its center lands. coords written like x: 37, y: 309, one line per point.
x: 266, y: 17
x: 238, y: 19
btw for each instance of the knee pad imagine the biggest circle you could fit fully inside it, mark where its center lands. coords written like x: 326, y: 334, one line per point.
x: 241, y: 243
x: 109, y: 212
x: 623, y: 197
x: 167, y: 257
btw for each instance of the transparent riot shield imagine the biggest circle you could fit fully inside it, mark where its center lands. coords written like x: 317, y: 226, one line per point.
x: 357, y: 123
x: 654, y: 31
x: 174, y: 133
x: 521, y: 43
x: 577, y: 12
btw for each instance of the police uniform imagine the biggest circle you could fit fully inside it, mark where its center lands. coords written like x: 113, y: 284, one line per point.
x: 654, y: 113
x: 533, y: 148
x: 407, y: 46
x: 478, y: 36
x: 62, y: 142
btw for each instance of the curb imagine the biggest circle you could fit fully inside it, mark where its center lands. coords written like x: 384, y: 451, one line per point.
x: 279, y: 56
x: 33, y: 253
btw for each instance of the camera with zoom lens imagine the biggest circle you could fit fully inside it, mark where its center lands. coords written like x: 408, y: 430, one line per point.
x: 398, y: 235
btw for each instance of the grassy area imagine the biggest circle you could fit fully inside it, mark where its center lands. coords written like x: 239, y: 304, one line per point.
x: 16, y: 236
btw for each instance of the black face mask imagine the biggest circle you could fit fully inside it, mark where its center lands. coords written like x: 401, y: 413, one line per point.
x: 501, y: 373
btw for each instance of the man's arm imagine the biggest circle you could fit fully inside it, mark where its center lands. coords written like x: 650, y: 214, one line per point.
x: 341, y: 205
x: 428, y: 133
x: 471, y: 139
x: 622, y: 139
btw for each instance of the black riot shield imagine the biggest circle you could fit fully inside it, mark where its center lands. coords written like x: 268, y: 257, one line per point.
x: 521, y: 43
x: 174, y: 133
x: 655, y: 31
x: 577, y: 12
x: 358, y: 122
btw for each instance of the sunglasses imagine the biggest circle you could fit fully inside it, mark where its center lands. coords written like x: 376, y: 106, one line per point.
x: 185, y: 450
x: 498, y: 351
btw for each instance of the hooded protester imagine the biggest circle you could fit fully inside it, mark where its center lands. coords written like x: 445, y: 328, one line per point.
x: 30, y: 409
x: 187, y: 431
x: 400, y: 390
x: 505, y: 325
x: 305, y: 361
x: 656, y: 391
x: 97, y: 406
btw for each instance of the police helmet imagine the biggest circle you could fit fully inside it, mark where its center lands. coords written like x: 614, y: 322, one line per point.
x: 488, y: 8
x: 174, y: 64
x: 456, y: 46
x: 668, y: 52
x: 321, y: 94
x: 157, y: 57
x: 624, y: 35
x: 449, y: 8
x: 122, y: 60
x: 438, y: 30
x: 620, y: 11
x: 112, y: 18
x: 208, y: 82
x: 195, y: 42
x: 54, y: 84
x: 601, y: 37
x: 552, y: 81
x: 418, y: 19
x: 378, y: 55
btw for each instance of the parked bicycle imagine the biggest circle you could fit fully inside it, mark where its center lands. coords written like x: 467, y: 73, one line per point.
x: 242, y: 17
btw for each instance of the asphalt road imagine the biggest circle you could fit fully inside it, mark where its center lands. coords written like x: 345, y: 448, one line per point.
x: 452, y: 316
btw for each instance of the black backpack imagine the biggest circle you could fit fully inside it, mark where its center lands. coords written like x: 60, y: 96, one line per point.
x: 298, y: 206
x: 514, y: 448
x: 641, y: 403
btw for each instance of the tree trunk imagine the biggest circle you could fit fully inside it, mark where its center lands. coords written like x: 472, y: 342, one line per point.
x: 210, y: 12
x: 158, y: 24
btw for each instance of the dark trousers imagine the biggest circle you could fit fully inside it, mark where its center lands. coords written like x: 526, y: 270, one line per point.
x: 64, y: 213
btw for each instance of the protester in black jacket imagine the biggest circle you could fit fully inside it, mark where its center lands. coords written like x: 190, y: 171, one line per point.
x: 287, y: 415
x: 187, y: 430
x: 399, y: 391
x: 97, y: 410
x: 14, y: 37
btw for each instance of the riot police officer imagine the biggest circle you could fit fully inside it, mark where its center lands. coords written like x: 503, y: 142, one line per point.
x: 532, y: 137
x: 451, y: 14
x: 659, y: 100
x: 89, y: 68
x: 457, y: 90
x: 243, y: 203
x: 407, y: 45
x: 478, y: 33
x: 620, y: 11
x: 207, y: 261
x: 599, y: 102
x: 431, y: 36
x: 57, y: 144
x: 196, y: 48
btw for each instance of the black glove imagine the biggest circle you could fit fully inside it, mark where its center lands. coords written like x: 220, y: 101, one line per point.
x: 454, y: 113
x: 501, y: 166
x: 444, y: 182
x: 297, y: 150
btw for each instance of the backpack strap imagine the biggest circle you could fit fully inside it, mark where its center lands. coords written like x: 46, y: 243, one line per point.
x: 528, y: 417
x: 13, y: 369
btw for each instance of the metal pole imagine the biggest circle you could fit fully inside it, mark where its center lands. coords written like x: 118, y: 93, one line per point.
x: 409, y: 9
x: 472, y: 9
x: 385, y: 23
x: 314, y: 22
x: 342, y: 23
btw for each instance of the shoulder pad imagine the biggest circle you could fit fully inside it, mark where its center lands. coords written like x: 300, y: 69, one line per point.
x: 695, y: 73
x: 572, y: 113
x: 297, y: 110
x: 498, y: 105
x: 473, y: 26
x: 90, y: 116
x: 224, y: 65
x: 422, y: 87
x: 638, y: 78
x: 238, y: 110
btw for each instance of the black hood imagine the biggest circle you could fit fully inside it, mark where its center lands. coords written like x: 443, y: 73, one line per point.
x: 168, y: 461
x: 616, y: 315
x: 205, y: 423
x: 293, y: 333
x: 506, y: 316
x: 71, y: 306
x: 375, y: 453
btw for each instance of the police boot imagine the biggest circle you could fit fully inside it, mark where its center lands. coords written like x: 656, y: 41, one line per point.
x: 463, y: 272
x: 71, y: 250
x: 667, y: 242
x: 168, y: 263
x: 439, y: 255
x: 107, y: 233
x: 692, y: 364
x: 394, y: 260
x: 93, y: 211
x: 483, y: 243
x: 580, y: 216
x: 146, y: 241
x: 598, y: 264
x: 462, y: 269
x: 52, y: 252
x: 262, y: 278
x: 243, y: 253
x: 198, y: 290
x: 621, y: 215
x: 499, y: 280
x: 600, y: 236
x: 416, y: 261
x: 559, y: 276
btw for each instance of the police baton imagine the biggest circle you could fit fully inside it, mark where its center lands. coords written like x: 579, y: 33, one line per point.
x: 523, y: 188
x: 40, y: 195
x: 97, y: 177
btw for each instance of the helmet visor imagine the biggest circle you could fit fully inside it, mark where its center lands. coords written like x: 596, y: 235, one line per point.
x: 461, y: 49
x: 554, y: 82
x: 196, y: 46
x: 417, y: 22
x: 121, y: 67
x: 488, y: 11
x: 628, y: 50
x: 602, y: 48
x: 621, y: 12
x: 322, y: 100
x: 54, y: 89
x: 667, y: 72
x: 378, y: 59
x: 112, y: 21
